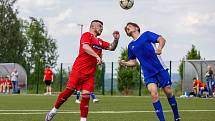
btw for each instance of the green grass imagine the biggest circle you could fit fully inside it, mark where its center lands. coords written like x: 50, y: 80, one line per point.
x: 19, y: 103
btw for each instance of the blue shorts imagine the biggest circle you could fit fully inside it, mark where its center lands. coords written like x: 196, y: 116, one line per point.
x: 162, y: 79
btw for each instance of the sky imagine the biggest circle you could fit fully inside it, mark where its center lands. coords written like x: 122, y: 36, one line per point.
x: 181, y: 22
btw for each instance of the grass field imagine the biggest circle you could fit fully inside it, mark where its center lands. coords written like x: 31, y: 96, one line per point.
x: 34, y: 108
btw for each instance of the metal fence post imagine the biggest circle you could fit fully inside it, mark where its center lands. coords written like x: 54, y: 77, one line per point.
x: 103, y: 79
x: 112, y: 78
x: 140, y: 86
x: 38, y: 76
x: 61, y: 76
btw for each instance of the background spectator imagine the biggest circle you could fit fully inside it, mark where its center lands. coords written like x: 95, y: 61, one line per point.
x: 209, y: 79
x: 14, y: 79
x: 198, y: 87
x: 48, y: 79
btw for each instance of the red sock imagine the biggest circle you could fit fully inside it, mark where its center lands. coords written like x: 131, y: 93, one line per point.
x: 63, y: 96
x: 84, y: 105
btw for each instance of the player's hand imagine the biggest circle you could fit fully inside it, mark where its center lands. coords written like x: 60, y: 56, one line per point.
x: 116, y: 35
x: 122, y: 62
x: 158, y: 51
x: 99, y: 60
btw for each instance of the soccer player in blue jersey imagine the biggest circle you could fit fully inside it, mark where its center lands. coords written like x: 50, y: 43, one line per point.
x: 143, y: 47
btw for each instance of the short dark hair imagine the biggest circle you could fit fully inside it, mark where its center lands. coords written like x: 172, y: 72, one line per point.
x: 194, y: 78
x: 96, y: 21
x: 133, y: 24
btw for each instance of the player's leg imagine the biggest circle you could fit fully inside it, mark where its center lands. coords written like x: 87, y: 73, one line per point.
x: 16, y: 86
x: 201, y: 91
x: 50, y: 88
x: 63, y: 96
x: 8, y: 90
x: 87, y: 87
x: 4, y: 88
x: 78, y: 94
x: 84, y: 106
x: 165, y: 82
x: 13, y: 86
x: 46, y: 83
x: 0, y: 87
x: 172, y: 102
x: 152, y: 87
x: 195, y: 92
x: 93, y: 96
x: 210, y: 87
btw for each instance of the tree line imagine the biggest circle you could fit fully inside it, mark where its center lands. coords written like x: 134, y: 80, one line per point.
x: 25, y: 42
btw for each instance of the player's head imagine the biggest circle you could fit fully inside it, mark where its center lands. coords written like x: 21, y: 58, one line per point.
x: 194, y: 78
x: 131, y: 28
x: 47, y: 66
x: 209, y: 67
x: 97, y: 27
x: 14, y: 70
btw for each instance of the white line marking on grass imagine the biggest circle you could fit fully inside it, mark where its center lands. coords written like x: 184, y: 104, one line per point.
x: 36, y: 112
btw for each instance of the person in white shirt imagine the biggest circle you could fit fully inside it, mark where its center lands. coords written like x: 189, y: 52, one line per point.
x: 14, y: 79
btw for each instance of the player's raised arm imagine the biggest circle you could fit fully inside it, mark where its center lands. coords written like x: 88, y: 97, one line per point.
x: 114, y: 44
x: 161, y: 42
x: 132, y: 62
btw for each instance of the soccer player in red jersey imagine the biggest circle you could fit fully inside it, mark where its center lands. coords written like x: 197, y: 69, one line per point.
x: 198, y: 87
x: 48, y: 79
x: 8, y: 84
x: 3, y: 84
x: 84, y: 68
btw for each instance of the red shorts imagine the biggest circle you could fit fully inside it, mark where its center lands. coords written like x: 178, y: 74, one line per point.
x: 80, y: 81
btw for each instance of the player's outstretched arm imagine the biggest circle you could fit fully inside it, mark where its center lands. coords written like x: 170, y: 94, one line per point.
x: 128, y: 63
x: 161, y: 42
x: 114, y: 44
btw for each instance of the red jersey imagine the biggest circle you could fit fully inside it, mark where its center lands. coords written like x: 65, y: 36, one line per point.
x: 198, y: 82
x: 48, y: 74
x: 3, y: 81
x: 9, y: 82
x: 86, y: 63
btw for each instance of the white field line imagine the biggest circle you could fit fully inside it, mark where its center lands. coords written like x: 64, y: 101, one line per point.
x: 30, y: 112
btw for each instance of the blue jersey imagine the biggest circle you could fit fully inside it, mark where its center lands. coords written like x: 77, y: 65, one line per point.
x: 144, y: 50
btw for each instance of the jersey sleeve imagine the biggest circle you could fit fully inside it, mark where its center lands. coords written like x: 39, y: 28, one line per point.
x: 152, y: 37
x: 86, y: 38
x: 131, y: 55
x: 105, y: 44
x: 51, y: 72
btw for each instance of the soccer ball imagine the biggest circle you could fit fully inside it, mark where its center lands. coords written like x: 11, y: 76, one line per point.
x: 126, y: 4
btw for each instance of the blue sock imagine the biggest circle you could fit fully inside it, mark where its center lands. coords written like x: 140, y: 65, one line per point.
x: 92, y: 95
x: 174, y: 106
x: 159, y: 110
x: 78, y: 95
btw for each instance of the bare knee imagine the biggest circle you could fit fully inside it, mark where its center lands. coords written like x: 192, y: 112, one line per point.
x: 168, y: 91
x: 153, y: 91
x: 154, y: 96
